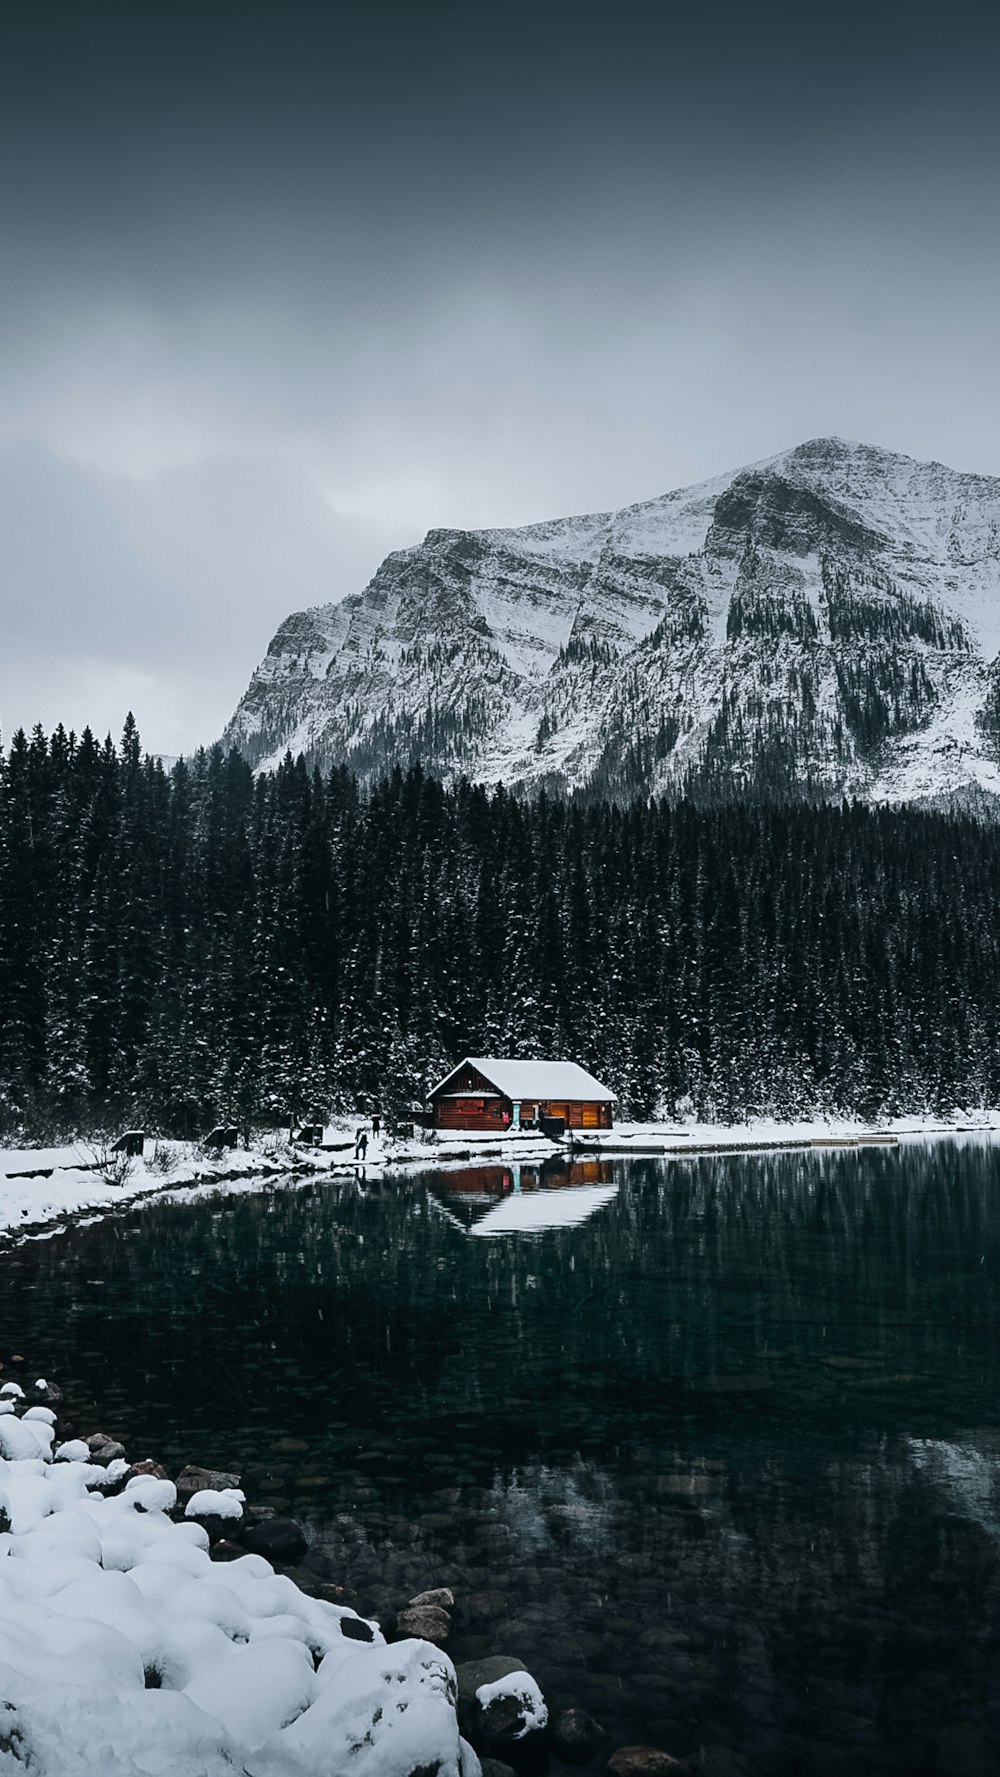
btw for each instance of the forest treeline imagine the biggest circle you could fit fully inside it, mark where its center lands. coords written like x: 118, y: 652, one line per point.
x: 181, y: 947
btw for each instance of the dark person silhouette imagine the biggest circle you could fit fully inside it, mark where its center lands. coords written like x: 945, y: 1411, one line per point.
x: 360, y: 1145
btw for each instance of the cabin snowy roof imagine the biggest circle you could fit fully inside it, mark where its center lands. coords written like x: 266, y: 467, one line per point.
x: 526, y: 1080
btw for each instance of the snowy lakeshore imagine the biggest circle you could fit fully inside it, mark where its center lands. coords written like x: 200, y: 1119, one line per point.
x: 144, y: 1626
x: 45, y: 1188
x: 137, y: 1640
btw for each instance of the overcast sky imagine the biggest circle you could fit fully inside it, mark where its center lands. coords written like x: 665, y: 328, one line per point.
x: 284, y: 286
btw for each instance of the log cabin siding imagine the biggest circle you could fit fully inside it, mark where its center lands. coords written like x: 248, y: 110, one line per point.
x: 473, y: 1113
x: 467, y: 1099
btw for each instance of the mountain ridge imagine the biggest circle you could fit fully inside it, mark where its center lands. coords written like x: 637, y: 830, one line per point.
x: 823, y: 622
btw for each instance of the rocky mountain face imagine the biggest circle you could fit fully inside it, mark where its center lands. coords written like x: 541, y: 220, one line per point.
x: 827, y: 622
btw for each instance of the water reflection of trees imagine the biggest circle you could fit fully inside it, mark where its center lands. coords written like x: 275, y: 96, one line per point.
x: 760, y: 1390
x: 697, y: 1271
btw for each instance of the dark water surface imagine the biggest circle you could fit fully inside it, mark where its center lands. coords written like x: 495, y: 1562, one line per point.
x: 718, y: 1461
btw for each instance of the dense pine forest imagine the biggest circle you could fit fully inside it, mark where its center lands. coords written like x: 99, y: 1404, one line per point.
x: 181, y: 947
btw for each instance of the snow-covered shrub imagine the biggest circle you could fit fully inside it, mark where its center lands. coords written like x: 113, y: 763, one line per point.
x: 275, y: 1146
x: 114, y: 1167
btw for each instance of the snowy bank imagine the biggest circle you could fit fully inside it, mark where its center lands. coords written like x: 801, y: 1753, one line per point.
x: 44, y: 1188
x: 41, y: 1188
x: 766, y: 1133
x: 125, y: 1649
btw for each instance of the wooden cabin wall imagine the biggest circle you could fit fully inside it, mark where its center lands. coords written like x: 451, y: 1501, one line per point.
x: 473, y: 1113
x: 487, y: 1114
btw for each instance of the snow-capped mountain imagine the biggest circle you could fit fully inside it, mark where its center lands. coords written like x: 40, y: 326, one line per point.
x: 828, y: 620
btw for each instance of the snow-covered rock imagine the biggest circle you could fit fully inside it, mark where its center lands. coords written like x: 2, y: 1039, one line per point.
x: 831, y: 616
x: 150, y: 1493
x: 210, y: 1502
x: 125, y: 1649
x: 18, y: 1440
x: 516, y: 1702
x: 73, y: 1450
x: 499, y: 1703
x: 378, y: 1712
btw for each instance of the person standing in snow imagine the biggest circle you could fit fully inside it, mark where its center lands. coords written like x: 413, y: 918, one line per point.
x: 360, y: 1145
x: 376, y: 1125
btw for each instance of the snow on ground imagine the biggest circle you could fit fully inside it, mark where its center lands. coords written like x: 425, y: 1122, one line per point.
x: 42, y: 1188
x: 764, y: 1133
x: 125, y: 1650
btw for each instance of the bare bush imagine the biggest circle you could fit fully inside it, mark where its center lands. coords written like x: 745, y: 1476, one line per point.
x: 276, y: 1147
x: 163, y: 1159
x: 114, y: 1166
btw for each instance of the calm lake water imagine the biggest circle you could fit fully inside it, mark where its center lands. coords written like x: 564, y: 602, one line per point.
x: 713, y: 1446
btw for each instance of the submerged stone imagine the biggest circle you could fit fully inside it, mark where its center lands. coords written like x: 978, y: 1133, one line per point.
x: 740, y: 1383
x: 646, y: 1761
x: 576, y: 1737
x: 277, y: 1539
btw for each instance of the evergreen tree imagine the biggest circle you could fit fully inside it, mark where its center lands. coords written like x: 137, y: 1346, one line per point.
x: 210, y: 946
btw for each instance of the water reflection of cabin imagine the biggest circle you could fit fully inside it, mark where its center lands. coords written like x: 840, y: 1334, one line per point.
x: 494, y: 1095
x: 470, y: 1193
x: 496, y: 1181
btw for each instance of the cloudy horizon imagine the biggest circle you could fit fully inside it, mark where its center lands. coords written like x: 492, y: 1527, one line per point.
x: 284, y: 289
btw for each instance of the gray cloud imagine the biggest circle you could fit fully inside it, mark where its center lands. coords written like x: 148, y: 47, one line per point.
x: 157, y: 594
x: 282, y: 289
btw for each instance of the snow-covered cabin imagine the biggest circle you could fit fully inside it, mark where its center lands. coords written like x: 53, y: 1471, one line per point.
x: 483, y: 1092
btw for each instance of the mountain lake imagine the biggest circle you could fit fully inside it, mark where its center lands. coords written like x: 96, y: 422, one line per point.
x: 711, y: 1445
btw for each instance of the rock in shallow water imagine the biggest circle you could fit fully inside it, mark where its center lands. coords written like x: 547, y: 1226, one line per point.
x: 427, y: 1622
x: 197, y: 1480
x: 277, y: 1539
x: 646, y: 1761
x: 472, y: 1673
x: 500, y: 1707
x: 442, y: 1596
x: 576, y: 1737
x: 147, y: 1468
x: 47, y: 1392
x: 220, y: 1514
x: 104, y: 1450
